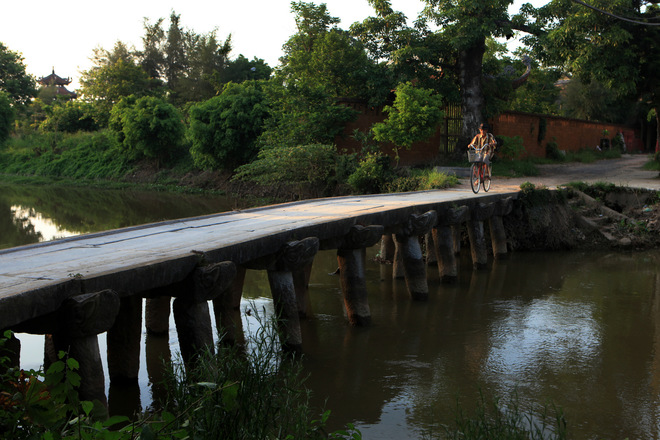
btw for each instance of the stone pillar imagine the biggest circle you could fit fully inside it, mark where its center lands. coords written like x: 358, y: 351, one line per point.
x: 74, y: 330
x: 351, y: 256
x: 497, y: 237
x: 291, y: 257
x: 431, y: 255
x: 301, y: 284
x: 123, y: 341
x: 157, y: 315
x: 191, y: 310
x: 387, y: 248
x: 497, y: 232
x: 398, y: 270
x: 411, y: 252
x: 226, y: 308
x: 444, y: 241
x: 476, y: 233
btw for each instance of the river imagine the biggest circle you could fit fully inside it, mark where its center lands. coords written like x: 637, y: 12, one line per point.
x: 578, y: 331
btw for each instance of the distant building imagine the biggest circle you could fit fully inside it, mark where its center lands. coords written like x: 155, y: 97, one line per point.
x: 57, y: 83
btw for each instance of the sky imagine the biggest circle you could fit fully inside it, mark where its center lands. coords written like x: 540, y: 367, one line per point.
x: 62, y: 35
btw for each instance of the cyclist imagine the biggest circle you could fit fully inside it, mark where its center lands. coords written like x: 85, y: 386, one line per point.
x: 484, y: 139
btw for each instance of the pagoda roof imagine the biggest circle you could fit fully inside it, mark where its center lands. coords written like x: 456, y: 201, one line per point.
x: 54, y: 79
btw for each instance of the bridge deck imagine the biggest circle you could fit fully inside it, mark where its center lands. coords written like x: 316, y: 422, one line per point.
x: 35, y: 279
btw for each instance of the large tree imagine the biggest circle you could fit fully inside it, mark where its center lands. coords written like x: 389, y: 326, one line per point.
x: 444, y: 49
x: 613, y: 42
x: 14, y: 81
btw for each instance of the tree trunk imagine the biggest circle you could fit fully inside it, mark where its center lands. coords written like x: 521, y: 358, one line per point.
x: 472, y: 98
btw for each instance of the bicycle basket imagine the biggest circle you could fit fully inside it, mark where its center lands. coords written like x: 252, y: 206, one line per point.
x: 473, y: 156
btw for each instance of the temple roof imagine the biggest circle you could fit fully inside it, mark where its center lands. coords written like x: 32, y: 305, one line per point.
x: 54, y: 79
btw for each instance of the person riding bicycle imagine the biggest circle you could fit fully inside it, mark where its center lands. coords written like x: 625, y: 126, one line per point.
x: 485, y: 140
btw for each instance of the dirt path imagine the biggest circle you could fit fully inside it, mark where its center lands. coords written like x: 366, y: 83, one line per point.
x: 626, y: 171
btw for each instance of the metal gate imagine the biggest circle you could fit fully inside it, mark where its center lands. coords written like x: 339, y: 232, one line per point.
x: 450, y: 128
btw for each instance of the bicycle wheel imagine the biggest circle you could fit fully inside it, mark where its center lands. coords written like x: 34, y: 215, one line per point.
x: 486, y: 177
x: 475, y: 178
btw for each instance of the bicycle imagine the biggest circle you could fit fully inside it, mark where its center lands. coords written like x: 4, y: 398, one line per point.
x: 480, y: 170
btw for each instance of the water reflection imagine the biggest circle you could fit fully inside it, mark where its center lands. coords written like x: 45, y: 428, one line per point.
x: 30, y: 214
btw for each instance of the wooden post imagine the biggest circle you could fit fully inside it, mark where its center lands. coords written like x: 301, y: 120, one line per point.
x: 498, y: 237
x: 226, y: 308
x: 445, y: 237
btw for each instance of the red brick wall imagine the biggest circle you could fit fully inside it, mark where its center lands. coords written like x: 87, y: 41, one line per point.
x: 570, y: 134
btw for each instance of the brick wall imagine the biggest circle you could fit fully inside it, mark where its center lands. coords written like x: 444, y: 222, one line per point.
x: 570, y: 134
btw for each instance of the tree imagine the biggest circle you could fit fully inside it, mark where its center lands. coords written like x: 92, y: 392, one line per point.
x: 6, y: 117
x: 615, y: 45
x: 414, y: 116
x: 115, y: 75
x: 451, y: 52
x: 323, y: 55
x: 14, y: 81
x: 149, y: 127
x: 241, y: 69
x: 225, y: 128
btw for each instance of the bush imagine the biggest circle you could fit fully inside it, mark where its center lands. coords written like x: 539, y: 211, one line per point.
x: 372, y: 174
x: 422, y: 180
x: 149, y: 127
x: 224, y: 129
x: 71, y: 117
x: 511, y: 147
x: 307, y: 165
x: 552, y: 152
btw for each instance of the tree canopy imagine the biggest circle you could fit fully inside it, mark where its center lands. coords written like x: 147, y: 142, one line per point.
x: 14, y: 80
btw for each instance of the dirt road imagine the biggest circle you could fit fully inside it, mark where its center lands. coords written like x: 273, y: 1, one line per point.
x: 626, y: 171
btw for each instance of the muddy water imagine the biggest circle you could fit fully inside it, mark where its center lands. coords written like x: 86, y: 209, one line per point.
x: 579, y: 331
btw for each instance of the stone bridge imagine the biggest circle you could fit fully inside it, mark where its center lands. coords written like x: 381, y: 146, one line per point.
x: 71, y: 290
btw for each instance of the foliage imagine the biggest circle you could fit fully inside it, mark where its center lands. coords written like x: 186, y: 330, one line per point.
x: 14, y: 80
x: 372, y: 174
x: 224, y: 130
x: 553, y: 152
x: 149, y: 127
x: 414, y: 116
x: 515, y: 168
x: 303, y: 114
x: 539, y: 94
x: 115, y: 74
x: 510, y: 148
x: 494, y: 419
x: 6, y: 117
x: 310, y: 166
x: 321, y: 55
x: 70, y: 117
x: 94, y: 155
x: 241, y: 69
x: 422, y: 180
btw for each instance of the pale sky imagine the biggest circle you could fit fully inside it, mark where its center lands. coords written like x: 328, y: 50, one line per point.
x: 63, y: 35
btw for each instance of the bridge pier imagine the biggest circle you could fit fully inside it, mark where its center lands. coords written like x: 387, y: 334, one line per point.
x: 497, y: 232
x: 293, y: 256
x: 445, y: 242
x: 157, y: 315
x: 74, y: 329
x: 351, y: 257
x: 476, y: 234
x: 226, y: 308
x: 191, y: 310
x: 123, y: 341
x: 411, y: 253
